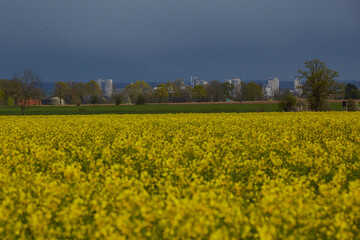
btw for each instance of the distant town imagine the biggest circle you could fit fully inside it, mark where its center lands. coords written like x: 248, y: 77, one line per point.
x: 195, y: 89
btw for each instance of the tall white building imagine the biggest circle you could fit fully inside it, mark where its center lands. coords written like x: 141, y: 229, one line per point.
x: 237, y: 83
x: 272, y: 88
x: 194, y: 81
x: 273, y: 84
x: 108, y: 89
x: 297, y: 86
x: 99, y: 82
x: 267, y: 91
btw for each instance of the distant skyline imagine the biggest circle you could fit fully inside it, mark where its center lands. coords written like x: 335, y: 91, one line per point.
x: 162, y: 40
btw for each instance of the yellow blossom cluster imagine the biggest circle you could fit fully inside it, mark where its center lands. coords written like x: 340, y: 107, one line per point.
x: 181, y: 176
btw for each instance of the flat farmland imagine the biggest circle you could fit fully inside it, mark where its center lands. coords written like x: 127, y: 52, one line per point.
x: 180, y: 176
x: 264, y: 106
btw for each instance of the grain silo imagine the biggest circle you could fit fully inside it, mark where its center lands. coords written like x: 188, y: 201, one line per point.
x: 99, y: 82
x: 108, y: 88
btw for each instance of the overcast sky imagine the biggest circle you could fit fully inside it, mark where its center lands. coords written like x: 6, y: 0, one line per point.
x: 161, y: 40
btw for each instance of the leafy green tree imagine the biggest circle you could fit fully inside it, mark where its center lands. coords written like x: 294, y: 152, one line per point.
x: 117, y: 98
x: 351, y: 92
x: 72, y: 94
x: 198, y: 93
x: 133, y: 90
x: 250, y: 92
x: 320, y: 84
x: 140, y: 100
x: 1, y: 94
x: 352, y: 105
x: 9, y: 89
x: 94, y: 91
x: 186, y: 93
x: 228, y: 89
x: 26, y: 86
x: 180, y: 83
x: 10, y: 101
x: 61, y: 90
x: 288, y: 103
x: 173, y: 91
x: 81, y: 90
x: 183, y: 91
x: 161, y: 93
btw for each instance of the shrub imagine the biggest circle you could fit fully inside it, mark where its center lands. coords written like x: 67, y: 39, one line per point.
x: 77, y: 101
x: 104, y: 100
x: 140, y: 100
x: 94, y: 100
x: 302, y: 105
x: 117, y: 98
x: 325, y: 106
x: 288, y: 104
x: 352, y: 105
x: 10, y: 101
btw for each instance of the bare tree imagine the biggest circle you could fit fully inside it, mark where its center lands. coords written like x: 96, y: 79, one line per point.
x: 215, y: 91
x: 39, y: 94
x: 26, y: 85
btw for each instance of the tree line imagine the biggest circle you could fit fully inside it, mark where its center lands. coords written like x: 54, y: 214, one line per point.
x: 319, y: 86
x: 23, y: 87
x: 141, y: 92
x: 77, y: 92
x: 177, y: 91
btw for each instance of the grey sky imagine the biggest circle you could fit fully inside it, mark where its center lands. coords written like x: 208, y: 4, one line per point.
x: 160, y: 40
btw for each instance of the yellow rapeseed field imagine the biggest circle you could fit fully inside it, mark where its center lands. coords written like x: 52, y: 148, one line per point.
x: 181, y: 176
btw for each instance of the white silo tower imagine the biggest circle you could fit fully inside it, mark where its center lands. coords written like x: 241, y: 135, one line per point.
x: 273, y: 83
x: 297, y: 86
x: 108, y: 88
x: 99, y: 82
x: 236, y: 81
x: 194, y: 81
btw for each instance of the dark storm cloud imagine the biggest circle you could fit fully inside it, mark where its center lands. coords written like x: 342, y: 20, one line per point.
x: 161, y: 39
